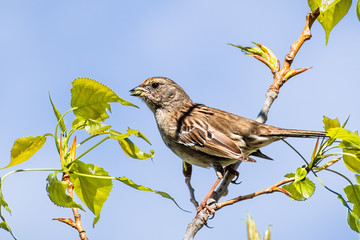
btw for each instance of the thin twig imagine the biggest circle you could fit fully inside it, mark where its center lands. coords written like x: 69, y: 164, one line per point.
x: 274, y: 188
x: 281, y: 76
x: 192, y: 192
x: 187, y: 171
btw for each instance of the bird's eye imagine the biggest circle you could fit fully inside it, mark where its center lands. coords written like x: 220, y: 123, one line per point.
x: 154, y: 84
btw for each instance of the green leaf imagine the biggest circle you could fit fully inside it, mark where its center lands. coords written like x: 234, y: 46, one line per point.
x: 290, y: 175
x: 58, y: 117
x: 353, y: 194
x: 119, y: 136
x: 252, y: 231
x: 344, y: 134
x: 300, y: 174
x: 328, y: 4
x: 305, y: 187
x: 300, y: 190
x: 330, y: 123
x: 91, y: 186
x: 94, y: 128
x: 351, y: 157
x: 146, y: 189
x: 350, y: 146
x: 24, y: 148
x: 358, y: 9
x: 78, y: 124
x: 331, y: 12
x: 261, y: 51
x: 267, y: 235
x: 6, y: 227
x: 353, y: 221
x: 3, y: 203
x: 133, y: 151
x: 57, y: 192
x: 91, y: 99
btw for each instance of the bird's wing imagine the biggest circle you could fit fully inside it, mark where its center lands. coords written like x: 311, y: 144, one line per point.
x: 211, y: 142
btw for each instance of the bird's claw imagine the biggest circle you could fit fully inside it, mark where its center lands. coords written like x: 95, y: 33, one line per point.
x: 207, y: 207
x: 236, y: 173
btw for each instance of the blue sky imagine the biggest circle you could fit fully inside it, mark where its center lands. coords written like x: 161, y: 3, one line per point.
x: 45, y: 45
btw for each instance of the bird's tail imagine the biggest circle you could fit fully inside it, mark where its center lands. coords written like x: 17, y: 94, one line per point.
x: 280, y: 132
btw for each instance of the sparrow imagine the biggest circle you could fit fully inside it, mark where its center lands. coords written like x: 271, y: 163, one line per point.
x: 206, y: 136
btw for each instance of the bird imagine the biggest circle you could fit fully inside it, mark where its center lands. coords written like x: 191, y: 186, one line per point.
x: 205, y: 136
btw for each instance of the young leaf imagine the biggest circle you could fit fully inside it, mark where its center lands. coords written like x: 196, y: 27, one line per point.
x: 358, y: 9
x: 24, y: 148
x: 78, y: 124
x: 305, y: 187
x: 94, y: 128
x: 267, y: 234
x: 119, y: 136
x: 6, y: 227
x: 300, y: 190
x: 146, y: 189
x: 350, y: 146
x: 252, y: 231
x: 3, y: 203
x: 330, y: 123
x: 331, y: 12
x: 133, y: 151
x: 261, y: 53
x: 353, y: 221
x: 300, y: 174
x: 290, y: 175
x: 93, y: 190
x: 91, y: 99
x: 351, y: 156
x: 57, y: 192
x: 4, y: 224
x: 353, y: 195
x: 345, y: 135
x: 58, y: 116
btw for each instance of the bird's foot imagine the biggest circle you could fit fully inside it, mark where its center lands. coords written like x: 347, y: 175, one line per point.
x: 235, y: 172
x: 207, y: 207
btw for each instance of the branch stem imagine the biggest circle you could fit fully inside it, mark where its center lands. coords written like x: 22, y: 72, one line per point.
x: 29, y: 170
x: 274, y: 188
x: 76, y: 223
x: 280, y: 76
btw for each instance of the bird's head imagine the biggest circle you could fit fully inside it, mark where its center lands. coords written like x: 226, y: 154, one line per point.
x: 161, y: 92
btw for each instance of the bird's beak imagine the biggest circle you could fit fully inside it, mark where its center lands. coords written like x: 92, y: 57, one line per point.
x: 137, y: 91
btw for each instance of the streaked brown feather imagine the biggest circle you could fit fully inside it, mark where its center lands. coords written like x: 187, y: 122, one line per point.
x: 203, y: 138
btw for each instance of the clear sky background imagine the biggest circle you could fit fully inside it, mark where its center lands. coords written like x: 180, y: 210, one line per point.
x: 45, y: 45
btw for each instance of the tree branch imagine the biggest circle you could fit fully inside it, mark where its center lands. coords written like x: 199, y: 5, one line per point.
x: 273, y: 188
x: 77, y: 217
x: 280, y: 77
